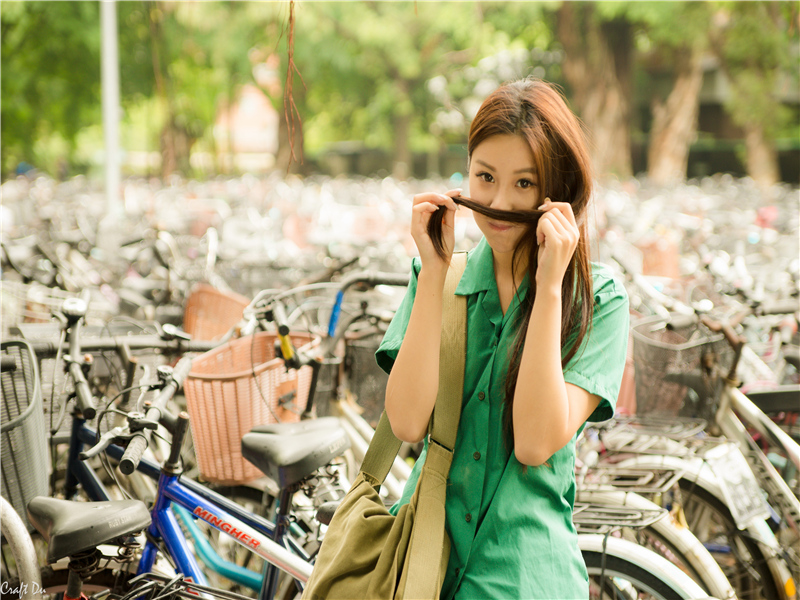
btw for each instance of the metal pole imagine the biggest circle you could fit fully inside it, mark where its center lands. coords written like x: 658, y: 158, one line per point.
x: 111, y: 108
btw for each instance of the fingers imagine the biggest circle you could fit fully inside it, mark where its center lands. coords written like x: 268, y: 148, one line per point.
x: 554, y: 227
x: 437, y: 199
x: 425, y: 208
x: 561, y: 208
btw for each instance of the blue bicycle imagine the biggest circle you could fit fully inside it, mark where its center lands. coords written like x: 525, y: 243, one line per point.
x: 289, y: 453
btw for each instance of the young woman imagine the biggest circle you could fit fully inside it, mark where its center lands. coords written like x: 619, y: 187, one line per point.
x: 547, y: 334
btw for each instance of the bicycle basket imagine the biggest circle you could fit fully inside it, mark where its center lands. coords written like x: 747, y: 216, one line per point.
x: 210, y: 312
x: 668, y: 372
x: 23, y: 445
x: 365, y: 379
x: 235, y: 387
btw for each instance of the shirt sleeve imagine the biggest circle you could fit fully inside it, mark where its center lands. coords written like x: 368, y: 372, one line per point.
x: 598, y: 365
x: 393, y: 338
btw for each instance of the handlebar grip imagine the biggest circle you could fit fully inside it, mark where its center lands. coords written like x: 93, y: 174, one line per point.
x: 181, y: 370
x: 83, y: 394
x: 336, y: 311
x: 734, y: 339
x: 279, y: 314
x: 677, y: 321
x: 133, y: 454
x: 779, y: 307
x: 398, y: 279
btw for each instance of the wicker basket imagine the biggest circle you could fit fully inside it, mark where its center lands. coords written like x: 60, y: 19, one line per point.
x: 225, y: 400
x: 23, y: 446
x: 669, y: 377
x: 210, y: 313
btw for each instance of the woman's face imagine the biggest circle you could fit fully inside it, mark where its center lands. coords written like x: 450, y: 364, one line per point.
x: 502, y: 175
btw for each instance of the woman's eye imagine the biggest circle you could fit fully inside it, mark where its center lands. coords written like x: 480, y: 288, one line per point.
x: 486, y: 177
x: 526, y: 183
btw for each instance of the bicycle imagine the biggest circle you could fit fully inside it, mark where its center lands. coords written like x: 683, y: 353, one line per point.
x: 720, y: 486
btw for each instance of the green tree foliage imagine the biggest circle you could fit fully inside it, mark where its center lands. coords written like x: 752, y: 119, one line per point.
x: 671, y: 41
x: 756, y: 43
x: 366, y: 66
x: 399, y: 76
x: 50, y: 55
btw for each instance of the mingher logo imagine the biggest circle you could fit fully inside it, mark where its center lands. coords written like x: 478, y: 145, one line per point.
x: 226, y: 527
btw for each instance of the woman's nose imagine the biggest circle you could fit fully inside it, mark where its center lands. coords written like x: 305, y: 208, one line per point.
x: 501, y: 201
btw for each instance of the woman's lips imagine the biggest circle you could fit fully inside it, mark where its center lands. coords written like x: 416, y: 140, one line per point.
x: 500, y: 226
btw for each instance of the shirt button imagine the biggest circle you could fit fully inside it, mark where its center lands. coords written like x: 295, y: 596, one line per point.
x: 481, y: 395
x: 468, y: 517
x: 477, y: 456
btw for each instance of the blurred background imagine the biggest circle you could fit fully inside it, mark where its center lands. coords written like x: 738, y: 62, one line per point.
x: 668, y: 90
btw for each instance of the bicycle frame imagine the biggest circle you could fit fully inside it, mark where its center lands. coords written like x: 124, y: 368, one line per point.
x: 258, y: 535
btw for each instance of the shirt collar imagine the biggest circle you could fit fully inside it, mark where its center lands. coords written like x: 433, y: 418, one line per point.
x: 479, y: 273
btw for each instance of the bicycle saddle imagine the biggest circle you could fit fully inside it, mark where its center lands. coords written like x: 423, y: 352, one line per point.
x: 72, y: 527
x: 290, y: 452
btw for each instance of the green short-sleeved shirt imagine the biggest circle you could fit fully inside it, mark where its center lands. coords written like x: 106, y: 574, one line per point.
x: 511, y: 528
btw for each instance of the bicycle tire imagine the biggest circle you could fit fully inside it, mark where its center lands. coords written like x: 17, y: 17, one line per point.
x: 621, y: 569
x: 747, y: 587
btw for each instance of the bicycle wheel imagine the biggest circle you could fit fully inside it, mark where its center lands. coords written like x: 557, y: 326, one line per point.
x: 649, y: 538
x: 737, y: 553
x: 619, y: 569
x: 19, y: 556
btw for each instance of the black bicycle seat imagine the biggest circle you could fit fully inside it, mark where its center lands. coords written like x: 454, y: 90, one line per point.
x: 72, y: 527
x: 320, y: 424
x: 294, y: 453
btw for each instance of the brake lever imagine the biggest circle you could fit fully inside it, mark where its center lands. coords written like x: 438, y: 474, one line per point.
x: 106, y: 440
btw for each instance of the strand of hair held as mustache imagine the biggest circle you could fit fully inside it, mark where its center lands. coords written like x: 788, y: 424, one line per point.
x: 522, y: 217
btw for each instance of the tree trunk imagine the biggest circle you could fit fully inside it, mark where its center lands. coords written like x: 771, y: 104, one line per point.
x: 597, y: 66
x: 762, y: 158
x: 402, y: 164
x: 675, y: 123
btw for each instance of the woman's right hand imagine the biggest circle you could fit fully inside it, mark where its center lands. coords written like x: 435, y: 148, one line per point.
x: 424, y: 206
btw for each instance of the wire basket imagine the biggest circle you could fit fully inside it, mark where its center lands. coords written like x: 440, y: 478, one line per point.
x: 210, y: 313
x: 669, y: 373
x: 235, y: 387
x: 23, y: 446
x: 365, y: 379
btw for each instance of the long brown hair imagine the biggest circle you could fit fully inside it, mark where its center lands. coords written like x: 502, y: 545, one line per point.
x: 537, y: 112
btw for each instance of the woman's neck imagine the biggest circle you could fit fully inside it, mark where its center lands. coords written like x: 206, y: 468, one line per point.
x: 503, y: 270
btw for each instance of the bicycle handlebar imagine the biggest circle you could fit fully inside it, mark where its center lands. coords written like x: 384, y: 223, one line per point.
x: 133, y: 453
x: 726, y: 328
x: 49, y: 349
x: 371, y: 278
x: 139, y: 442
x: 83, y: 393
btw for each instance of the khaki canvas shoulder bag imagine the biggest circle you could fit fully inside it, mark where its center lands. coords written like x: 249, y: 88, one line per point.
x: 368, y: 553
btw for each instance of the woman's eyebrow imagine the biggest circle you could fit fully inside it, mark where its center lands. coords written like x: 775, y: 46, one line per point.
x: 491, y: 168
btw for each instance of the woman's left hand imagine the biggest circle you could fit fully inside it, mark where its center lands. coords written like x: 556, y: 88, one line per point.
x: 557, y: 235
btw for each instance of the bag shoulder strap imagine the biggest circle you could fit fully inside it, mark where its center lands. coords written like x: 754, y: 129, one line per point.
x: 447, y: 411
x: 452, y: 356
